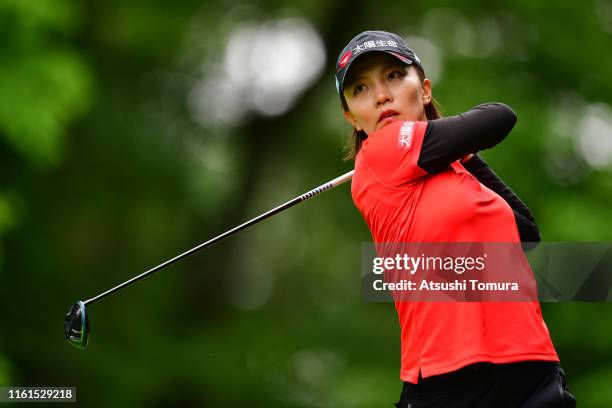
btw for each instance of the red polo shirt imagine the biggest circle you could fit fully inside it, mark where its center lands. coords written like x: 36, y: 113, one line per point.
x: 401, y: 202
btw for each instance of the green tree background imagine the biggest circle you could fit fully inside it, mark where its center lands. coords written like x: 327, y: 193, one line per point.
x: 110, y: 167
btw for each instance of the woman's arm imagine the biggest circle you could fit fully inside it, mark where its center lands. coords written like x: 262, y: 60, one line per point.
x: 482, y: 127
x: 525, y: 222
x: 449, y: 139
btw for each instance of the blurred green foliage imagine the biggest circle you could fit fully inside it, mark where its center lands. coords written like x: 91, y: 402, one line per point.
x: 105, y: 172
x: 44, y: 80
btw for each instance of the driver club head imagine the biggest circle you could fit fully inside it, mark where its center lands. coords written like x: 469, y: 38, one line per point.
x: 76, y: 326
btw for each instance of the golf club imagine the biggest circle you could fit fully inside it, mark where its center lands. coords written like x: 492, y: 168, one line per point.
x: 76, y: 322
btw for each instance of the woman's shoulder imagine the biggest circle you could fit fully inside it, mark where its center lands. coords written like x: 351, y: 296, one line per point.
x: 397, y: 135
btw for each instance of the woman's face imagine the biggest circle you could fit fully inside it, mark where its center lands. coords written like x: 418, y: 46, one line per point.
x: 381, y: 89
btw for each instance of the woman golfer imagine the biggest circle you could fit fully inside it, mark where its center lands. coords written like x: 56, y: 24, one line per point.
x: 418, y: 179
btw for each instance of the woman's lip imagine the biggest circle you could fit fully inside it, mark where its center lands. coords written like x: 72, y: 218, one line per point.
x: 386, y: 120
x: 388, y: 117
x: 387, y: 114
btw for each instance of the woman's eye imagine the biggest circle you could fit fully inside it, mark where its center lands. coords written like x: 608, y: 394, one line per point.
x: 395, y: 75
x: 359, y: 88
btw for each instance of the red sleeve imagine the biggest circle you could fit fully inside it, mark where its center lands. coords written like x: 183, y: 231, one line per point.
x: 391, y: 154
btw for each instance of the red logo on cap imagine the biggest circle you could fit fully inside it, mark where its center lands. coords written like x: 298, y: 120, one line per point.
x: 345, y: 58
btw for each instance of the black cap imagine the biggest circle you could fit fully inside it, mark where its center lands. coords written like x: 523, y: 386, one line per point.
x: 372, y: 41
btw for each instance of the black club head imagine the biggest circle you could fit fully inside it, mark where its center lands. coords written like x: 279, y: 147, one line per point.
x: 76, y: 326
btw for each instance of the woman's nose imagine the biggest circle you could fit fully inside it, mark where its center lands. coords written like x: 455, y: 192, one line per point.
x: 382, y: 95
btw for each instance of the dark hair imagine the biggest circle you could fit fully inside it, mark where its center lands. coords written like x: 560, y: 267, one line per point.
x: 353, y: 144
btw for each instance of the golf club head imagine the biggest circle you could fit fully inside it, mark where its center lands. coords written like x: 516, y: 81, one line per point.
x: 76, y: 325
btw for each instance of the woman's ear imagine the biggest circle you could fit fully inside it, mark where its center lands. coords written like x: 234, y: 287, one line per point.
x: 426, y: 91
x: 351, y: 119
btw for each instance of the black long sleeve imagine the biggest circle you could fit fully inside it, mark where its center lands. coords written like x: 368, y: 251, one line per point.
x: 525, y: 222
x: 449, y: 139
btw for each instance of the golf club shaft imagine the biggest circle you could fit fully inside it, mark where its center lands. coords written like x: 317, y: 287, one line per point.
x: 324, y: 187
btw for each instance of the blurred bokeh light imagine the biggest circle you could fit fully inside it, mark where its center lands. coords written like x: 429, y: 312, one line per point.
x: 265, y: 68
